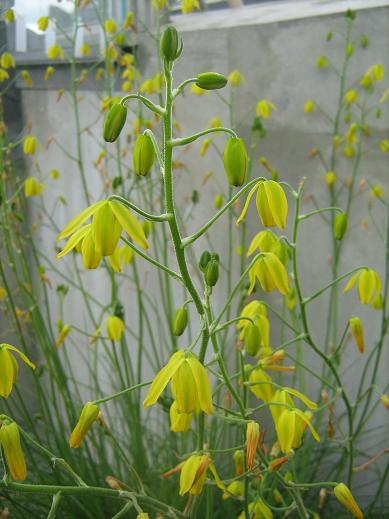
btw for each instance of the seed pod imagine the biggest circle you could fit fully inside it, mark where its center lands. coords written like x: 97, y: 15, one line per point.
x: 114, y: 122
x: 235, y: 161
x: 204, y: 260
x: 340, y: 226
x: 180, y: 321
x: 170, y: 44
x: 211, y: 81
x: 144, y: 155
x: 252, y: 339
x: 212, y: 273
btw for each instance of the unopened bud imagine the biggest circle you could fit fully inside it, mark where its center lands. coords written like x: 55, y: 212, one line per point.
x: 114, y: 122
x: 144, y: 155
x: 180, y: 321
x: 235, y: 161
x: 211, y: 81
x: 170, y: 44
x: 340, y: 226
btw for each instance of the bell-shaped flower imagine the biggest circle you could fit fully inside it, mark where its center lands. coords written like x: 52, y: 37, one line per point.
x: 290, y: 428
x: 261, y: 384
x: 190, y: 384
x: 9, y: 368
x: 271, y: 202
x: 344, y: 496
x: 270, y: 272
x: 368, y: 284
x: 10, y: 441
x: 194, y: 473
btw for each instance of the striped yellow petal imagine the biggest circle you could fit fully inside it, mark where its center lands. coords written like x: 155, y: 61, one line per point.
x: 114, y: 260
x: 185, y: 388
x: 21, y: 355
x: 188, y: 473
x: 218, y: 481
x: 263, y: 207
x: 7, y: 374
x: 130, y: 224
x: 106, y: 230
x: 162, y: 378
x: 285, y: 430
x: 278, y: 272
x: 308, y: 422
x: 74, y: 240
x: 278, y: 202
x: 246, y: 204
x: 302, y: 397
x: 202, y: 383
x: 79, y: 219
x: 351, y: 282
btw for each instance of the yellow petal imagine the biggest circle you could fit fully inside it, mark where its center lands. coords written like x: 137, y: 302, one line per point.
x: 114, y: 260
x: 246, y: 204
x: 278, y: 202
x: 351, y: 282
x: 80, y: 219
x: 188, y: 473
x: 302, y: 397
x: 278, y: 272
x: 130, y: 224
x: 366, y: 286
x: 263, y: 206
x: 21, y: 355
x: 202, y: 383
x: 218, y: 481
x: 74, y: 240
x: 7, y: 374
x: 308, y: 422
x: 286, y: 425
x: 162, y: 378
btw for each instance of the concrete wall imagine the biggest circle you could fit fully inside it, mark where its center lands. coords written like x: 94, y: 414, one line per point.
x: 277, y: 58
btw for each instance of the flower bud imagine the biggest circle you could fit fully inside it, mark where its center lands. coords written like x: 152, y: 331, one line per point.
x: 357, y: 332
x: 345, y: 497
x: 340, y: 226
x: 144, y: 155
x: 211, y: 81
x: 330, y: 178
x: 235, y: 161
x: 29, y: 145
x: 180, y: 321
x: 218, y: 202
x: 364, y: 41
x: 252, y: 440
x: 114, y: 122
x: 170, y: 44
x: 385, y: 401
x: 10, y: 441
x: 252, y: 339
x: 205, y: 258
x: 88, y: 415
x: 115, y: 328
x: 212, y: 272
x: 238, y: 462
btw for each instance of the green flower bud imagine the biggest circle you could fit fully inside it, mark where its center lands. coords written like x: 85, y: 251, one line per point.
x: 170, y: 44
x: 340, y: 226
x: 114, y: 122
x: 143, y: 156
x: 235, y: 161
x: 218, y: 202
x: 212, y: 273
x: 211, y: 81
x: 252, y: 339
x: 205, y: 258
x: 180, y: 321
x: 364, y: 41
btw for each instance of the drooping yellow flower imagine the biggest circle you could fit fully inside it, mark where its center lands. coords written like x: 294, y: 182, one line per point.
x: 115, y: 328
x: 384, y: 146
x: 235, y: 78
x: 110, y: 26
x: 188, y: 6
x: 3, y: 293
x: 368, y: 284
x: 253, y: 310
x: 262, y: 242
x: 261, y: 384
x: 48, y: 73
x: 3, y: 75
x: 63, y: 333
x: 322, y: 61
x: 7, y: 60
x: 25, y: 75
x: 179, y: 422
x: 271, y: 202
x: 129, y: 20
x: 10, y: 441
x: 85, y: 49
x: 252, y: 440
x: 264, y: 108
x: 33, y: 187
x: 377, y: 191
x: 330, y: 178
x: 357, y: 332
x: 345, y: 497
x: 109, y: 220
x: 258, y: 510
x: 350, y: 97
x: 9, y: 367
x: 215, y: 122
x: 29, y: 145
x: 9, y: 16
x: 43, y: 23
x: 194, y: 473
x: 309, y: 106
x: 88, y: 415
x: 234, y: 489
x: 290, y: 428
x: 55, y: 52
x: 385, y: 401
x: 190, y: 384
x: 270, y: 272
x: 158, y: 5
x: 204, y: 147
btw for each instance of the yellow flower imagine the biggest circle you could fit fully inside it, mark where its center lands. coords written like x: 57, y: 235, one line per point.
x: 348, y: 151
x: 143, y: 515
x: 290, y: 428
x: 271, y: 202
x: 384, y: 146
x: 110, y: 26
x: 179, y: 422
x: 252, y: 439
x: 235, y: 78
x: 330, y: 178
x: 357, y: 332
x: 43, y: 23
x: 115, y: 328
x: 263, y: 242
x: 194, y: 473
x: 26, y: 77
x: 254, y: 309
x: 99, y: 73
x: 345, y: 497
x: 204, y: 147
x: 264, y: 108
x: 368, y: 284
x: 350, y: 97
x: 234, y: 489
x: 3, y: 75
x: 261, y: 384
x: 377, y: 191
x: 88, y: 415
x: 7, y: 60
x: 270, y: 272
x: 85, y: 49
x: 188, y: 6
x: 63, y: 333
x: 385, y: 401
x: 49, y: 72
x: 160, y: 4
x: 55, y: 52
x: 9, y: 16
x: 322, y: 61
x: 10, y: 441
x: 309, y: 106
x: 33, y: 187
x: 9, y: 368
x: 109, y: 220
x: 128, y: 22
x: 29, y: 145
x: 215, y: 122
x: 190, y: 384
x: 258, y: 510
